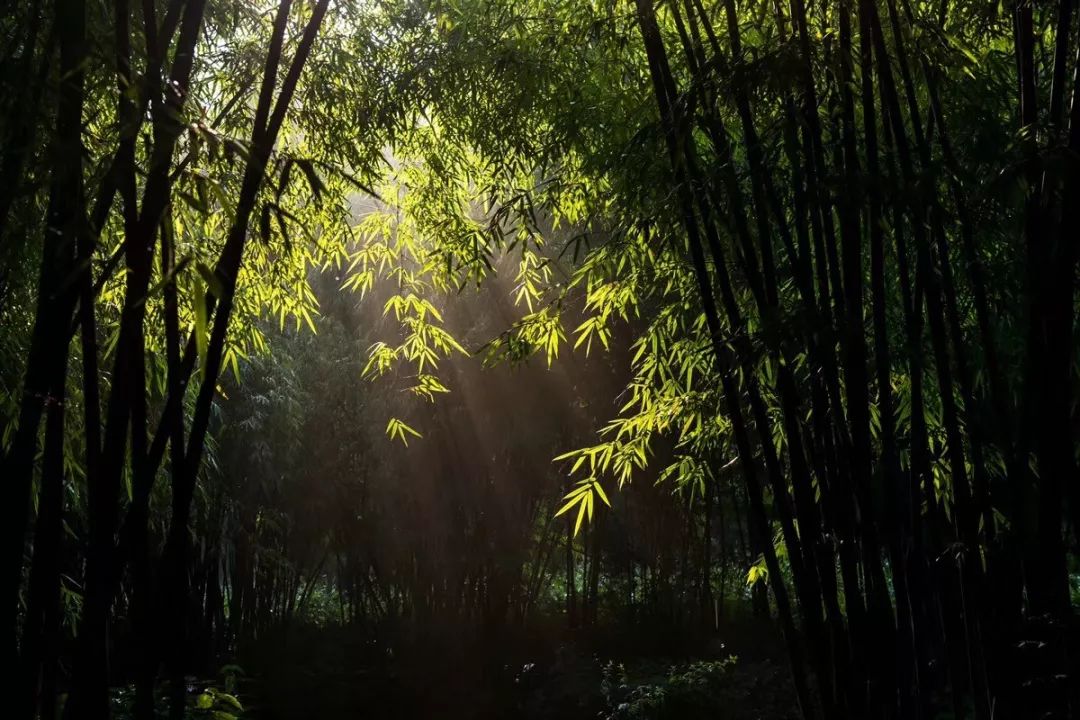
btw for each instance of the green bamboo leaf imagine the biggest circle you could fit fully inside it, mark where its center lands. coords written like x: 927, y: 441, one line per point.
x: 568, y: 506
x: 601, y: 493
x: 580, y: 517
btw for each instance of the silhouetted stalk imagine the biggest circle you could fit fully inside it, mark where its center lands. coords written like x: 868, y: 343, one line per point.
x: 1049, y: 312
x: 90, y: 696
x: 816, y: 168
x: 269, y: 117
x: 802, y: 560
x: 895, y: 500
x: 764, y: 284
x: 41, y: 626
x: 46, y: 373
x: 826, y: 386
x: 931, y: 203
x: 20, y: 142
x: 22, y: 118
x: 1064, y: 285
x: 974, y: 266
x: 919, y: 488
x: 927, y: 277
x: 879, y: 615
x: 657, y: 62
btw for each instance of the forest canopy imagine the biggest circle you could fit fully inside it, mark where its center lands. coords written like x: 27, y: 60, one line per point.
x: 540, y: 334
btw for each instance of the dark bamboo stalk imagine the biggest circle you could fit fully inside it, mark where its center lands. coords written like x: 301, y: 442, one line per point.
x: 657, y: 62
x: 897, y: 532
x: 44, y: 386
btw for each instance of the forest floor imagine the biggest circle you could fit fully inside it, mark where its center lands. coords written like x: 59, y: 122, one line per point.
x: 738, y: 673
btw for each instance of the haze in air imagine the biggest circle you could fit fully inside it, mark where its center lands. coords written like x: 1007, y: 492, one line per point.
x: 485, y: 359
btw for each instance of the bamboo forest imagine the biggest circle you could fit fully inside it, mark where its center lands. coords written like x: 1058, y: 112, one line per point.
x: 539, y: 359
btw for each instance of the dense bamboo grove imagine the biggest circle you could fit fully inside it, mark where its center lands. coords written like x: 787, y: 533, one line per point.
x: 299, y: 300
x: 958, y: 573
